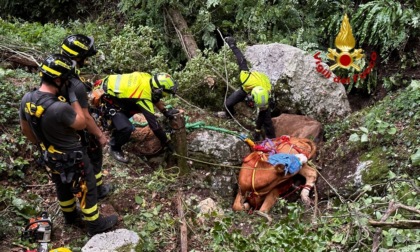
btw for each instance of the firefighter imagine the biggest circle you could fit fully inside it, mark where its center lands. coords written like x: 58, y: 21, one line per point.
x: 137, y: 92
x: 80, y: 47
x: 48, y: 121
x: 255, y: 91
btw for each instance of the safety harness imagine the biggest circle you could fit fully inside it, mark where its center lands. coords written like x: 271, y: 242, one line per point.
x: 62, y: 163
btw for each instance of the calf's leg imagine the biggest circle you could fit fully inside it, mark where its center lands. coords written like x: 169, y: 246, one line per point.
x: 310, y: 175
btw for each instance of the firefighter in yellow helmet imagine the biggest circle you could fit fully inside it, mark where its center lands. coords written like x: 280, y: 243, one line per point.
x: 51, y: 123
x: 132, y: 93
x: 79, y: 47
x: 255, y: 91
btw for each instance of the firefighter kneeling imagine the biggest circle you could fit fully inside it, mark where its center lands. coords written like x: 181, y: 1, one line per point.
x: 52, y: 124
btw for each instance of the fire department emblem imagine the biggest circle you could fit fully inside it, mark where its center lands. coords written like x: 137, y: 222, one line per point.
x: 345, y: 56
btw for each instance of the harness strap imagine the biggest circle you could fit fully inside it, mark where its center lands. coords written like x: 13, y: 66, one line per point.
x: 34, y: 112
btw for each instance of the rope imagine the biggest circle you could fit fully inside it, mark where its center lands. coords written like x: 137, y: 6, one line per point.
x: 221, y: 165
x: 326, y: 181
x: 201, y: 125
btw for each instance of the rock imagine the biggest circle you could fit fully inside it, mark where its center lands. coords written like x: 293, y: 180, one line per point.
x: 298, y: 126
x: 208, y: 206
x: 217, y: 148
x: 297, y: 87
x: 112, y: 241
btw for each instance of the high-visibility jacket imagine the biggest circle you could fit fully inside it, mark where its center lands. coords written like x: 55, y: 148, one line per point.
x: 251, y: 79
x: 134, y: 85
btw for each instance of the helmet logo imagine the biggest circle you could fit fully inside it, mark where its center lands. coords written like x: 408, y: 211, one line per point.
x: 61, y: 63
x: 81, y: 45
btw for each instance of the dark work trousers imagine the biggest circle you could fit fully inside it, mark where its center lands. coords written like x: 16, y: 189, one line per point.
x: 240, y: 58
x: 66, y: 198
x: 95, y: 154
x: 239, y: 95
x: 122, y: 132
x: 233, y: 99
x: 264, y: 120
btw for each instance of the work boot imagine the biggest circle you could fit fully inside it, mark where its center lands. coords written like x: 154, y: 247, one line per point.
x: 101, y: 225
x: 119, y: 156
x: 103, y: 191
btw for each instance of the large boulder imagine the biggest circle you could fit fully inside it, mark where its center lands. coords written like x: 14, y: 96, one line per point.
x: 298, y: 126
x: 297, y: 87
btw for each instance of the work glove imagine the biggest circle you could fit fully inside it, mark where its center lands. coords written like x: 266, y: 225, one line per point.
x: 169, y: 113
x: 71, y: 89
x: 230, y: 41
x: 169, y: 146
x: 257, y: 135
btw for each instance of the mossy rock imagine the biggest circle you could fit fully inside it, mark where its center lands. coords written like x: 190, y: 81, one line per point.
x: 378, y: 169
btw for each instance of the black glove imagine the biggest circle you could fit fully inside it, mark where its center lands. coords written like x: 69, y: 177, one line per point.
x: 170, y: 113
x: 230, y: 41
x: 71, y: 88
x: 257, y: 135
x: 169, y: 146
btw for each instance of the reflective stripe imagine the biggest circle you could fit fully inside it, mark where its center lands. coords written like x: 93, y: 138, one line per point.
x: 91, y: 218
x: 90, y: 210
x: 117, y: 83
x: 68, y: 206
x: 68, y: 209
x: 99, y: 175
x: 48, y: 69
x: 98, y: 179
x: 90, y: 214
x: 67, y: 203
x: 67, y: 49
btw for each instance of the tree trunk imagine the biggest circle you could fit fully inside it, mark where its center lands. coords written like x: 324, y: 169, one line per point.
x: 181, y: 27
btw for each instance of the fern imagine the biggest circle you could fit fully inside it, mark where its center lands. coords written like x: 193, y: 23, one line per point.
x: 385, y: 24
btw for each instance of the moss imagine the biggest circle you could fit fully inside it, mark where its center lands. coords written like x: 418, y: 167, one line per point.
x: 378, y: 169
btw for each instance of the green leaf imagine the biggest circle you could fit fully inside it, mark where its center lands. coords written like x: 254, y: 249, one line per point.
x: 364, y: 138
x: 415, y: 158
x: 391, y: 175
x: 138, y: 199
x: 354, y: 138
x: 364, y: 129
x: 392, y: 131
x: 18, y: 203
x: 337, y: 237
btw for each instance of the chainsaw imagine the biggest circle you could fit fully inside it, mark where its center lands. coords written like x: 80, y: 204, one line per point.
x: 39, y: 230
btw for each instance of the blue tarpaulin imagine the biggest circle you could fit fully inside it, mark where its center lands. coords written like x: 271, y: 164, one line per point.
x: 291, y: 162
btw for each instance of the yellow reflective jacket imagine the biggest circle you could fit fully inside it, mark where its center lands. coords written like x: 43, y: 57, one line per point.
x: 134, y: 85
x: 251, y: 79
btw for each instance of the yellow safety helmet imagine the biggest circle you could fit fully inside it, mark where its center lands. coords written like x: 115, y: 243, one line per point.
x: 260, y: 97
x: 58, y: 66
x: 164, y: 83
x: 78, y: 46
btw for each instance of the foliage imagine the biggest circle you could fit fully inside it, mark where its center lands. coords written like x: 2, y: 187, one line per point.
x: 342, y: 228
x: 126, y: 50
x: 12, y: 142
x: 133, y: 50
x: 15, y: 210
x: 386, y: 24
x: 50, y: 10
x: 206, y: 78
